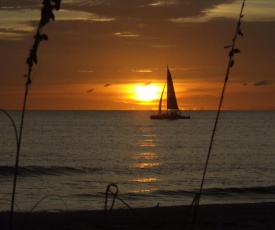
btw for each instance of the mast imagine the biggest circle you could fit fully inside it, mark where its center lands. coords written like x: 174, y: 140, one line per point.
x: 160, y: 100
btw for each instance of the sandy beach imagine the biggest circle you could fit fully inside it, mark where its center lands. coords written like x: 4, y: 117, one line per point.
x: 218, y: 216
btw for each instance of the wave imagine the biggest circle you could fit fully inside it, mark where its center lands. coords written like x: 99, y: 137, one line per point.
x: 213, y: 192
x: 6, y: 171
x: 244, y: 190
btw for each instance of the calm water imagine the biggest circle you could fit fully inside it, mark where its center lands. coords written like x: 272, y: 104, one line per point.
x: 69, y: 157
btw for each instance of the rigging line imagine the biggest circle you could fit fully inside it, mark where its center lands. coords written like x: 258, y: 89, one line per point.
x: 230, y: 65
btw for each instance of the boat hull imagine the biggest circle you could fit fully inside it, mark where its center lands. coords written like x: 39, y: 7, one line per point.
x: 168, y: 116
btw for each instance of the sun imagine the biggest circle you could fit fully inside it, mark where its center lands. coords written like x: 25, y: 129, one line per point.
x: 147, y: 92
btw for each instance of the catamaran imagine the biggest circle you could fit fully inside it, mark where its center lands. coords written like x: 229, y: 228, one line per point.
x: 172, y: 112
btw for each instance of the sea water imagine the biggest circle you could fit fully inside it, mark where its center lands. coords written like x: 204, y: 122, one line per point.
x: 68, y: 158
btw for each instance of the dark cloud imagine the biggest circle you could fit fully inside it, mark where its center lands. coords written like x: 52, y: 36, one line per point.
x: 260, y: 83
x: 90, y: 90
x: 107, y: 85
x: 145, y: 9
x: 19, y: 4
x: 148, y: 83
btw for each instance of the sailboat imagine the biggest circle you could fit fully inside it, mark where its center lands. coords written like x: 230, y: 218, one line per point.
x: 172, y: 111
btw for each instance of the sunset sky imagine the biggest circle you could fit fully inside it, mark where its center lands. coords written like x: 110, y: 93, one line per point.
x: 113, y: 54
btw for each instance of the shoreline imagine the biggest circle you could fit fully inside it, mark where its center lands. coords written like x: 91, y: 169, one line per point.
x: 212, y: 216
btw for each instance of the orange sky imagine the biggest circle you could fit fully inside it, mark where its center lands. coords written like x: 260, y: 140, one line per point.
x: 100, y: 52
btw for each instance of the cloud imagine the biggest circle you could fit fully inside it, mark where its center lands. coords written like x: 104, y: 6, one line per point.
x: 85, y: 71
x: 261, y: 83
x: 90, y: 90
x: 164, y: 3
x: 159, y: 46
x: 126, y: 34
x: 78, y: 15
x: 148, y: 83
x: 254, y: 11
x: 107, y: 85
x: 17, y: 4
x: 142, y: 71
x: 12, y: 34
x: 197, y: 19
x: 142, y: 10
x: 17, y: 19
x: 14, y: 23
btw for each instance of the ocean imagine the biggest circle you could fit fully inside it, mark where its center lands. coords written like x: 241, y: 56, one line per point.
x: 68, y: 158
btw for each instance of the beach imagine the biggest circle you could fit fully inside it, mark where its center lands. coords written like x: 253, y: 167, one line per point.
x: 217, y: 216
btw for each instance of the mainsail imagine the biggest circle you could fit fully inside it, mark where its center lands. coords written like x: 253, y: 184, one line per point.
x: 171, y: 96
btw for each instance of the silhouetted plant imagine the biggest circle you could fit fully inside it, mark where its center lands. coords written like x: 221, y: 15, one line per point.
x: 38, y: 203
x: 231, y: 62
x: 46, y: 16
x: 13, y: 124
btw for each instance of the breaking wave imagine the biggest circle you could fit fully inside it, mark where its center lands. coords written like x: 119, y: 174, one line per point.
x: 33, y: 171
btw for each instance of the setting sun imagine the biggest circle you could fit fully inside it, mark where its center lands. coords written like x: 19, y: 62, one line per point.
x: 147, y: 92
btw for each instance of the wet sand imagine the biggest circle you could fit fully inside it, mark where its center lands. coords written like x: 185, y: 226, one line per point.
x: 219, y: 216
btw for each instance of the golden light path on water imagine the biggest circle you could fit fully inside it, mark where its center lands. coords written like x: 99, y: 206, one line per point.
x: 146, y: 160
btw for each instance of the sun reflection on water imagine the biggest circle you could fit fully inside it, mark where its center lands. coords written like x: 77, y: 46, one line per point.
x: 145, y: 180
x: 145, y: 165
x: 143, y: 190
x: 146, y: 158
x: 145, y: 155
x: 147, y: 143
